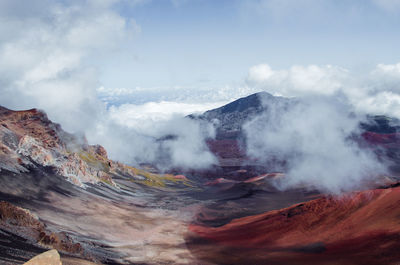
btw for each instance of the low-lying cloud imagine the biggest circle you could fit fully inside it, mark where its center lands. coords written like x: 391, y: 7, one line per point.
x: 174, y: 142
x: 314, y: 136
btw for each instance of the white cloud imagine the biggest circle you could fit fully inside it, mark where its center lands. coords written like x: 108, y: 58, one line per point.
x: 46, y: 62
x: 375, y: 92
x: 298, y: 80
x: 387, y: 73
x: 379, y: 91
x: 180, y: 94
x: 312, y: 136
x: 261, y: 73
x: 132, y: 134
x: 143, y: 117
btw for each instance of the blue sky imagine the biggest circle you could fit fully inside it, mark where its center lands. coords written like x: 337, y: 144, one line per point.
x: 202, y: 42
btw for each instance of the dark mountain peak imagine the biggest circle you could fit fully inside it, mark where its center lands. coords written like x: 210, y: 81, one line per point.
x: 242, y: 104
x: 230, y: 118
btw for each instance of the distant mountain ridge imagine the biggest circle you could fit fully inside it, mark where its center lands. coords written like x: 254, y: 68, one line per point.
x: 230, y: 118
x: 229, y: 144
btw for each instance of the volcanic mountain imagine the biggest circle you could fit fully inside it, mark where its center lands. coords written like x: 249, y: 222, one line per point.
x: 377, y: 132
x: 229, y: 119
x: 60, y: 192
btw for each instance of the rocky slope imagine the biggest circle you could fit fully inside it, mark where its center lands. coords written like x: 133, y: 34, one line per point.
x: 60, y: 192
x: 55, y: 197
x: 55, y: 183
x: 358, y: 228
x: 230, y: 118
x: 29, y: 138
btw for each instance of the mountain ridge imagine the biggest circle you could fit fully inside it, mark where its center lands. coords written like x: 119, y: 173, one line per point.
x: 58, y: 190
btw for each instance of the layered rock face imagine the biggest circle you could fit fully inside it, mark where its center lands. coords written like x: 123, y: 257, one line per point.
x: 29, y: 138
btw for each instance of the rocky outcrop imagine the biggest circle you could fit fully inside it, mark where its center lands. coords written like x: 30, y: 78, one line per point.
x: 29, y: 137
x: 23, y: 223
x: 16, y: 216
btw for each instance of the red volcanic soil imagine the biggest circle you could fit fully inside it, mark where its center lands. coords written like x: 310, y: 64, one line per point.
x: 180, y: 177
x: 226, y: 148
x: 378, y: 138
x: 31, y: 122
x: 220, y: 181
x: 358, y: 228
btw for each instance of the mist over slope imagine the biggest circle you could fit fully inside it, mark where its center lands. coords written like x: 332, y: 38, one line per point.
x: 71, y: 189
x: 318, y: 141
x: 316, y: 137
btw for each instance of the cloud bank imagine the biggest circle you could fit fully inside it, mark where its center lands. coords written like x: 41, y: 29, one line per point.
x: 43, y: 57
x: 314, y: 136
x: 376, y: 91
x: 176, y: 142
x: 48, y: 56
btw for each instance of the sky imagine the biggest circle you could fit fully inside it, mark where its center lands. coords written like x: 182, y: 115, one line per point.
x: 213, y: 43
x: 125, y: 72
x: 199, y: 50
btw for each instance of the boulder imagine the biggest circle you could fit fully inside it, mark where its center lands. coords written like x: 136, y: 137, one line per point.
x: 50, y: 257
